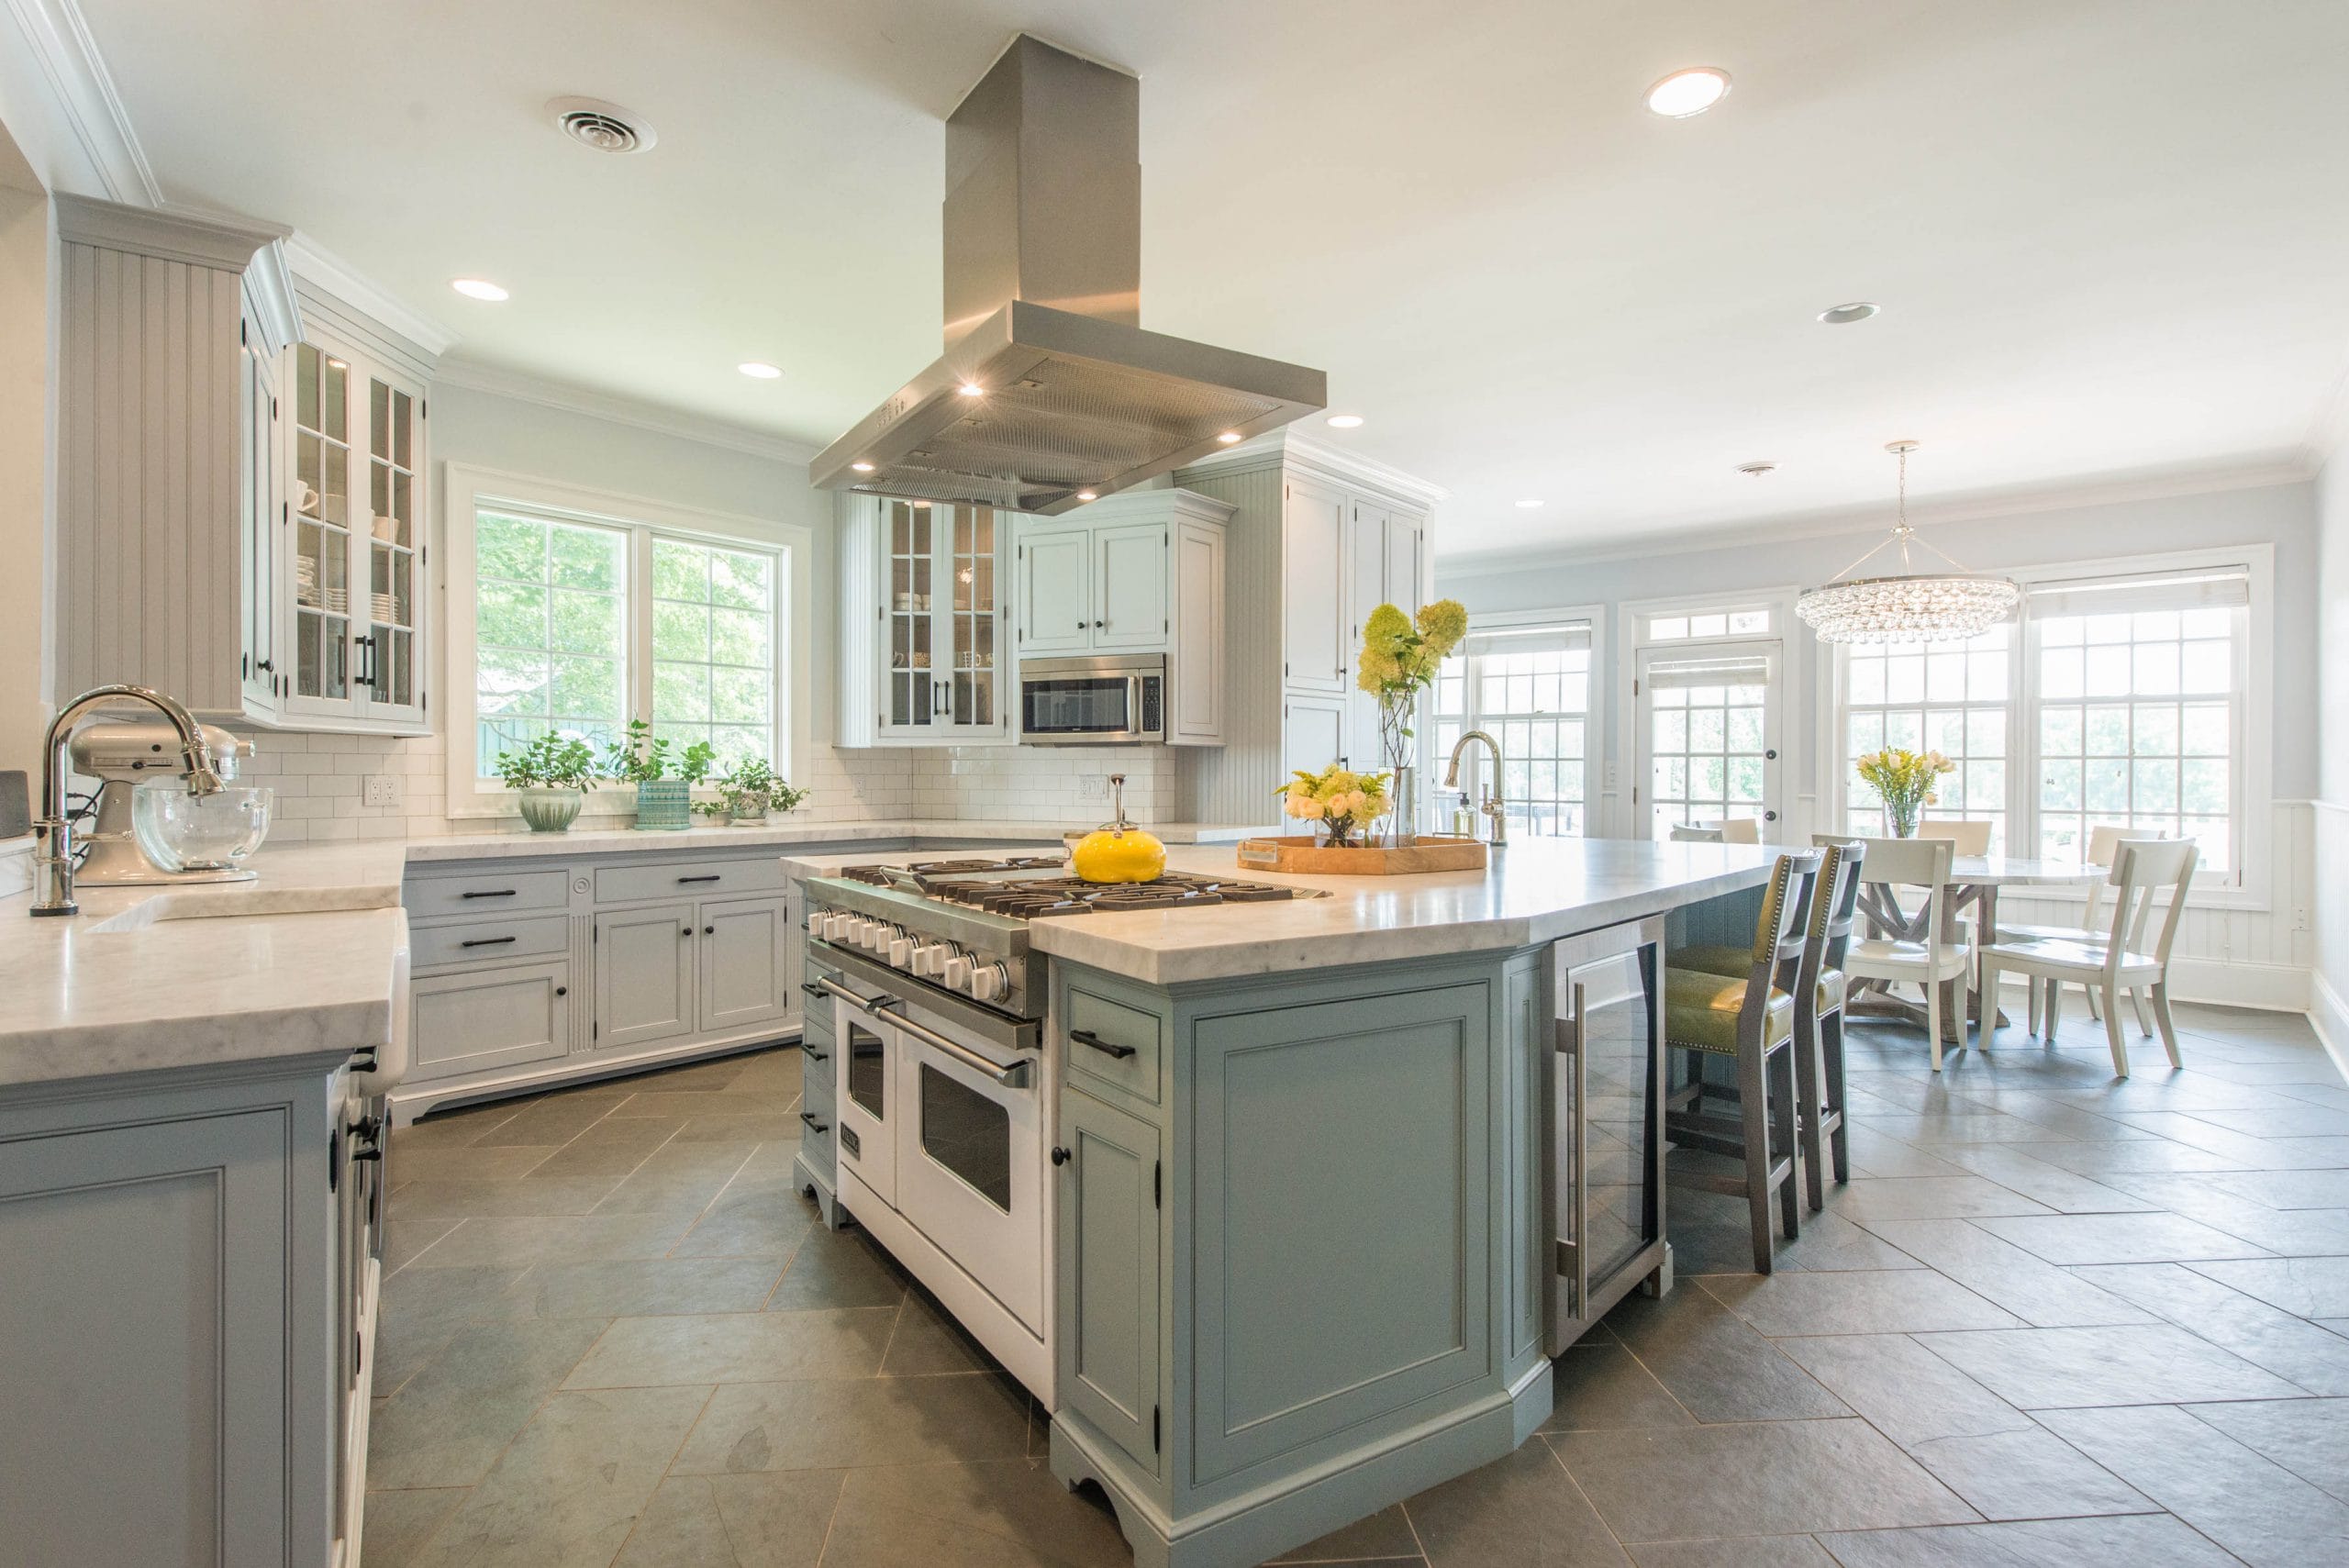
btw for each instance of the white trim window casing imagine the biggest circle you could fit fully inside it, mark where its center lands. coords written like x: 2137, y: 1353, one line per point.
x: 1532, y: 683
x: 696, y: 620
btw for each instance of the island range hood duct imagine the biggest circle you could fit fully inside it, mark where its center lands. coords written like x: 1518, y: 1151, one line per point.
x: 1050, y: 393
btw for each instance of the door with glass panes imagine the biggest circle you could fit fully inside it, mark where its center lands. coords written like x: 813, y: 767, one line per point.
x: 356, y: 514
x: 942, y: 610
x: 1708, y: 721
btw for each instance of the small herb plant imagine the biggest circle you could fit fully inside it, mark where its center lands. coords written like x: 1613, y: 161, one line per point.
x: 756, y: 776
x: 550, y: 762
x: 642, y: 757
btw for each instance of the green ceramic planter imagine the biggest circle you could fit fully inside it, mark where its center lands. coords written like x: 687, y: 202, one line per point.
x: 550, y: 810
x: 664, y: 805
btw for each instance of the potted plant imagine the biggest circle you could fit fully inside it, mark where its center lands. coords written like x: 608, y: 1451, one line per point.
x: 719, y: 813
x: 664, y: 784
x: 1342, y: 802
x: 1401, y: 656
x: 751, y: 788
x: 550, y: 778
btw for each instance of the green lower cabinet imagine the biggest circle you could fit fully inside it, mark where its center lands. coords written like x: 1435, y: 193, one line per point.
x: 1108, y: 1321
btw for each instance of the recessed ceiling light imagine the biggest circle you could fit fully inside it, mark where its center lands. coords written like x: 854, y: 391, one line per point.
x: 1527, y: 502
x: 1086, y: 496
x: 478, y: 288
x: 758, y: 370
x: 1229, y: 436
x: 1690, y: 92
x: 973, y: 389
x: 862, y: 467
x: 1844, y: 315
x: 1344, y: 421
x: 1756, y: 469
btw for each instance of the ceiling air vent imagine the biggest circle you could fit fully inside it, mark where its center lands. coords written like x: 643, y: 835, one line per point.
x: 605, y: 127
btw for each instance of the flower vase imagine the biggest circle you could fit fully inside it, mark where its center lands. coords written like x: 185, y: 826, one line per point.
x: 550, y: 810
x: 665, y: 805
x: 1903, y: 822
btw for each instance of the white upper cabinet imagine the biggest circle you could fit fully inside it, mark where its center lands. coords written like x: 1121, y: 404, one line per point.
x: 923, y: 660
x: 1313, y: 530
x: 1129, y: 587
x: 1055, y: 612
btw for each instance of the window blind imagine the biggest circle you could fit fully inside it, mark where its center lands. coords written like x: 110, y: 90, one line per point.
x: 2203, y: 588
x: 1569, y: 637
x: 1728, y: 669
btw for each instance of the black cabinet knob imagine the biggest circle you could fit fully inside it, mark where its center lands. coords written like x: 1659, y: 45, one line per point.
x: 1061, y: 1156
x: 709, y: 931
x: 562, y: 990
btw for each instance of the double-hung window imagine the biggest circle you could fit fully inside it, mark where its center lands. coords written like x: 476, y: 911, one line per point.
x: 572, y: 622
x: 1950, y: 697
x: 1529, y: 688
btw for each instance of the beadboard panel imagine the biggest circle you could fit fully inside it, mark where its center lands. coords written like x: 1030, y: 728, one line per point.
x: 1235, y: 783
x: 2329, y: 973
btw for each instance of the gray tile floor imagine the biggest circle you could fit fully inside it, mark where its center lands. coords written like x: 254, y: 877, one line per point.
x: 2056, y: 1319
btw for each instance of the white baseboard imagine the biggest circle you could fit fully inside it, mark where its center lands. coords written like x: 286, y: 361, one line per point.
x: 2276, y: 987
x: 2329, y: 1016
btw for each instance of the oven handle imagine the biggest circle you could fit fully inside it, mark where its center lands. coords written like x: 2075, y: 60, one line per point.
x: 1014, y: 1076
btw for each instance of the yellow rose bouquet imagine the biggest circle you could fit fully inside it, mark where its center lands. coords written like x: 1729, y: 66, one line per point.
x: 1904, y: 781
x: 1342, y: 801
x: 1401, y: 656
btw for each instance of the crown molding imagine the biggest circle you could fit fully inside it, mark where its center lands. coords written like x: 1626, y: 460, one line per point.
x: 314, y: 264
x: 200, y: 239
x: 61, y: 40
x: 1288, y: 447
x: 1857, y: 521
x: 570, y: 398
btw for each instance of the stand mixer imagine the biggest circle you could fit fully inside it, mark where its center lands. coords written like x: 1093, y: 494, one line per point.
x: 121, y: 754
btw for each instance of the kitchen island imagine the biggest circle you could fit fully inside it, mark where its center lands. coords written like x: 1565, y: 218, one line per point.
x: 1322, y: 1195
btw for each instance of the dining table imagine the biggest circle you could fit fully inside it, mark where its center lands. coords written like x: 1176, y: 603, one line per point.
x: 1974, y: 884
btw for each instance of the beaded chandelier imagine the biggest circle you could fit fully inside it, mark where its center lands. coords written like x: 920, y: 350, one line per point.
x: 1913, y: 608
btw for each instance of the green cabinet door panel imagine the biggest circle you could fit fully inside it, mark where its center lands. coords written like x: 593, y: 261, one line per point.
x: 1527, y: 1114
x: 1109, y: 1278
x: 1340, y: 1191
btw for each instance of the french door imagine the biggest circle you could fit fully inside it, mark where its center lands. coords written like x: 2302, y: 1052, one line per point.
x: 1708, y: 719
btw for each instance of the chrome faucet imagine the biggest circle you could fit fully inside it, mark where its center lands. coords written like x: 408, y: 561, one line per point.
x: 1492, y: 807
x: 53, y: 832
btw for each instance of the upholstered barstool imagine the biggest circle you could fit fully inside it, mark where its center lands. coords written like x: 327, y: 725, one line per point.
x: 1751, y: 1020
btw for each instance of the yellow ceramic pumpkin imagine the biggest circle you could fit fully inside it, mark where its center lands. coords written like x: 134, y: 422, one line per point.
x: 1119, y: 851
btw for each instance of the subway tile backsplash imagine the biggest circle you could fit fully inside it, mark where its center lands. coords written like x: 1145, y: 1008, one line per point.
x: 321, y: 779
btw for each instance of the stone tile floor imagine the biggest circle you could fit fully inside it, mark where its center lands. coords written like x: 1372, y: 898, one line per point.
x: 2056, y: 1319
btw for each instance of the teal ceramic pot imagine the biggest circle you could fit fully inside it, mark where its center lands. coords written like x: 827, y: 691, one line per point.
x: 550, y: 810
x: 665, y: 805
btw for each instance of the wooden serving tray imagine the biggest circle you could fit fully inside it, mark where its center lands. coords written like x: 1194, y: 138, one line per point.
x: 1308, y: 856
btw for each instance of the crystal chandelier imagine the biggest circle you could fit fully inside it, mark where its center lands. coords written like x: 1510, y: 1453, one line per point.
x: 1923, y: 607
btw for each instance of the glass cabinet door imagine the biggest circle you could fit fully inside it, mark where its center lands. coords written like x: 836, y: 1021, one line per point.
x: 322, y: 525
x: 389, y: 652
x: 972, y: 614
x: 908, y: 534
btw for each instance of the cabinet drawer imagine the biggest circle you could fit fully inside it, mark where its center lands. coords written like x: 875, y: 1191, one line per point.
x: 491, y: 893
x: 818, y: 1091
x: 490, y: 941
x: 689, y: 879
x: 1113, y: 1042
x: 816, y: 1140
x: 478, y: 1018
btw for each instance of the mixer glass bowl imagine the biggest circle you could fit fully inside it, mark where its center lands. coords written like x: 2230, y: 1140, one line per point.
x: 210, y: 832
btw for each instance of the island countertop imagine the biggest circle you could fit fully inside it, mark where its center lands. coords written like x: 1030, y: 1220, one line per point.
x: 1535, y: 891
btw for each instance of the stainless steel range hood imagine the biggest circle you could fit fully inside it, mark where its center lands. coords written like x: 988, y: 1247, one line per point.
x: 1049, y: 394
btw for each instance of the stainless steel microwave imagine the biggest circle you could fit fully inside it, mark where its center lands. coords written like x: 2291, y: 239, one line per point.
x: 1109, y: 700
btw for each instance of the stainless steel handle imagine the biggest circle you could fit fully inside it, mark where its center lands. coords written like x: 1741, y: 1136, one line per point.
x: 1577, y: 1156
x: 1133, y: 703
x: 1014, y: 1076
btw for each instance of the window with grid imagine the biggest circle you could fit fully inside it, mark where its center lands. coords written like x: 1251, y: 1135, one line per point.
x: 1529, y: 688
x: 550, y: 632
x: 1707, y: 737
x: 2139, y: 683
x: 1950, y: 697
x: 713, y: 648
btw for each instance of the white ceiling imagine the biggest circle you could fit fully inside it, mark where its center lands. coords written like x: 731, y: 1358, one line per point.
x: 2110, y: 239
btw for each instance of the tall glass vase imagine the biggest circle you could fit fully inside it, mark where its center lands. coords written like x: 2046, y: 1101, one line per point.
x: 1395, y: 715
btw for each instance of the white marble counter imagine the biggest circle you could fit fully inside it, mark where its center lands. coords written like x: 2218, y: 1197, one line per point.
x: 1535, y: 891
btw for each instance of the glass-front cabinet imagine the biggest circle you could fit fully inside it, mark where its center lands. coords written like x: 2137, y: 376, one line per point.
x: 937, y: 574
x: 356, y: 526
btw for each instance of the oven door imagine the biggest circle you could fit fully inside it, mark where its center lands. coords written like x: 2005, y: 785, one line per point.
x: 970, y: 1163
x: 867, y: 1110
x: 1069, y: 702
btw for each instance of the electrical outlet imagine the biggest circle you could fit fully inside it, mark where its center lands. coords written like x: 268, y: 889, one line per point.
x: 380, y: 789
x: 1091, y: 786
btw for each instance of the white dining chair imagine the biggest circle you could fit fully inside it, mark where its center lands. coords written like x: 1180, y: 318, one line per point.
x: 1942, y: 961
x: 2128, y: 955
x: 1739, y: 830
x: 2104, y: 839
x: 1690, y: 833
x: 1970, y: 837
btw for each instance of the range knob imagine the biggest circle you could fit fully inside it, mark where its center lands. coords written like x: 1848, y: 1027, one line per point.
x: 878, y: 935
x: 827, y: 924
x: 901, y: 951
x: 931, y: 957
x: 816, y: 922
x: 956, y: 972
x: 989, y: 981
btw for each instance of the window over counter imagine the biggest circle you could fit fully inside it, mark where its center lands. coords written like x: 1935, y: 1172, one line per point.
x: 1530, y: 687
x: 571, y: 613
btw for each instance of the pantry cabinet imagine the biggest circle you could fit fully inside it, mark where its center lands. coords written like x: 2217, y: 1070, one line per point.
x: 923, y: 606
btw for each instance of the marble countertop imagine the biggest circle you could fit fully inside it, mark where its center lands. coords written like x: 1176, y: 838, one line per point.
x: 1535, y: 891
x: 303, y: 957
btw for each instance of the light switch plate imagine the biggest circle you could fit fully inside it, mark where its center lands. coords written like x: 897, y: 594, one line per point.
x: 1091, y: 786
x: 380, y: 789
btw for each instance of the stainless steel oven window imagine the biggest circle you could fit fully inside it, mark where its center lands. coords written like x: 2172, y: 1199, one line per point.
x: 967, y: 1133
x: 868, y: 1070
x: 1090, y: 704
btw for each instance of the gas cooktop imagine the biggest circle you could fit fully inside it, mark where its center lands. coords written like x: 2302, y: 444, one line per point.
x: 994, y: 887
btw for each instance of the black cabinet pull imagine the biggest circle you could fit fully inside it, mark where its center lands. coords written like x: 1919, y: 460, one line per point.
x: 1062, y: 1156
x: 813, y: 1125
x: 1107, y: 1047
x: 814, y: 1054
x: 486, y: 943
x: 814, y: 990
x: 500, y: 893
x: 713, y: 876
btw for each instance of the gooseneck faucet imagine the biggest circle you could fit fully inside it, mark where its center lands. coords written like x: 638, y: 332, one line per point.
x: 53, y: 833
x: 1492, y: 807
